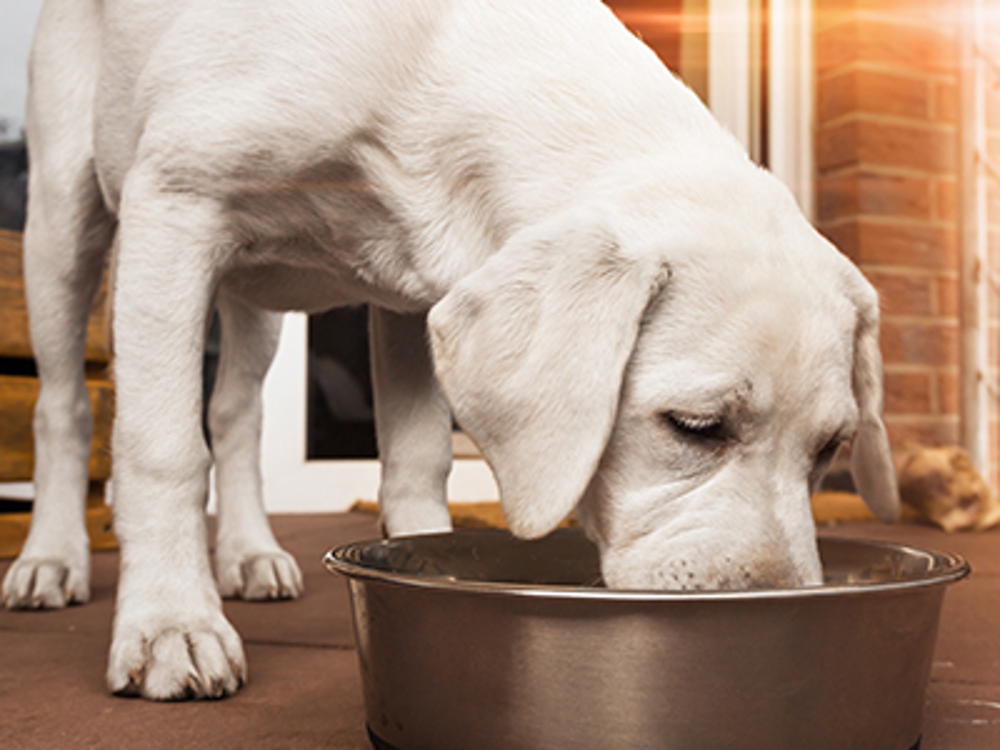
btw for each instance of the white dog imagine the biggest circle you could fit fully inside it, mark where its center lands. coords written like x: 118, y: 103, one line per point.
x: 626, y: 314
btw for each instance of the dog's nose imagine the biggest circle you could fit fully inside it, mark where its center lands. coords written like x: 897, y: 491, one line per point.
x: 780, y: 573
x: 726, y: 573
x: 718, y: 563
x: 733, y: 574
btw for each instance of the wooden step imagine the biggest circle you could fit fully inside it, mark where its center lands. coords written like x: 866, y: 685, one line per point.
x: 14, y: 338
x: 14, y: 526
x: 17, y: 403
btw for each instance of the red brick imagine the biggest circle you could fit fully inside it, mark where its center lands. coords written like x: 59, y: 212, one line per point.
x: 915, y: 245
x: 877, y: 194
x: 872, y: 92
x: 836, y: 96
x: 948, y: 300
x: 993, y: 110
x: 929, y: 12
x: 834, y: 7
x: 906, y: 342
x: 886, y: 144
x: 903, y: 293
x: 993, y: 201
x: 914, y: 36
x: 992, y: 27
x: 993, y: 306
x: 993, y: 247
x: 950, y: 255
x: 993, y: 145
x: 949, y: 393
x: 887, y: 94
x: 945, y: 106
x: 946, y: 199
x: 908, y: 393
x: 838, y: 147
x: 930, y: 49
x: 993, y: 204
x: 837, y: 44
x: 995, y: 447
x: 929, y: 431
x: 893, y: 195
x: 831, y: 13
x: 912, y: 244
x: 837, y: 197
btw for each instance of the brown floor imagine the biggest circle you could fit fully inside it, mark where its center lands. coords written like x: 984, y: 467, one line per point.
x: 304, y: 688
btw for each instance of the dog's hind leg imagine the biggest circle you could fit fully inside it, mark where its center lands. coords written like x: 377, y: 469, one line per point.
x: 66, y: 240
x: 413, y: 423
x: 249, y: 562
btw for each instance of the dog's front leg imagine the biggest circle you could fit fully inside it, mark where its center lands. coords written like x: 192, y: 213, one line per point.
x: 170, y: 639
x: 249, y: 562
x: 414, y: 426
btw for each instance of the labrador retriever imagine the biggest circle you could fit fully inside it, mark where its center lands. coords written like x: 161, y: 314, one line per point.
x: 560, y: 245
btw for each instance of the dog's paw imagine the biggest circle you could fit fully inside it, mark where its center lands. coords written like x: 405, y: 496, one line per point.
x: 266, y: 575
x: 45, y: 583
x: 178, y: 661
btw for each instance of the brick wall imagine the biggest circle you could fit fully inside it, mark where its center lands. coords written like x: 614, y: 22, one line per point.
x: 887, y: 155
x: 887, y: 163
x: 992, y: 105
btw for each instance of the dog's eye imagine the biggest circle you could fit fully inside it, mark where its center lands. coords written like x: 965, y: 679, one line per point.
x: 692, y: 426
x: 827, y: 452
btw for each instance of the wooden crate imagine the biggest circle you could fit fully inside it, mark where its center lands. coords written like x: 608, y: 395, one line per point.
x: 100, y: 528
x: 14, y: 339
x: 19, y: 391
x: 17, y: 404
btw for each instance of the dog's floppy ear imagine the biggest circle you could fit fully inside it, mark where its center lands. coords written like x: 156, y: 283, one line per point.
x: 531, y: 350
x: 871, y: 458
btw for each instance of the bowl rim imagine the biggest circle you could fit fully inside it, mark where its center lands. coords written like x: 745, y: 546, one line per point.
x: 953, y: 567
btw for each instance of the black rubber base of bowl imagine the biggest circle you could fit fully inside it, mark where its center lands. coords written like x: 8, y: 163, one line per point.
x: 379, y: 744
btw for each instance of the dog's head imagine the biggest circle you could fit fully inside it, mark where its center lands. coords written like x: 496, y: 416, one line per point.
x: 682, y: 379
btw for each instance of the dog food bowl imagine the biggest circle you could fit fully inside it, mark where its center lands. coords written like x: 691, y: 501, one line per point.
x: 479, y: 640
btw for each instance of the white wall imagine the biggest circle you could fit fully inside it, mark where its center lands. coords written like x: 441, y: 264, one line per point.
x: 17, y: 24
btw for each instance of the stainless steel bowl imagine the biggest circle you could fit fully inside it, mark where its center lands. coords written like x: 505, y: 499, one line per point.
x: 479, y: 640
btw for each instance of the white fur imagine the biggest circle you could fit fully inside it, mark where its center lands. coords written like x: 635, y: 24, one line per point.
x: 601, y: 263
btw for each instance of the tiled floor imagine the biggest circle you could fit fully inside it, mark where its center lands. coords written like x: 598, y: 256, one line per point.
x: 304, y: 689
